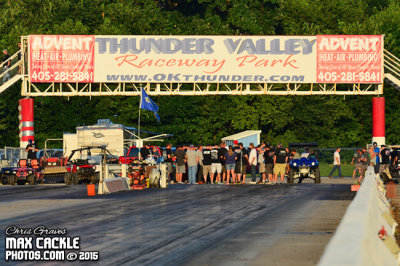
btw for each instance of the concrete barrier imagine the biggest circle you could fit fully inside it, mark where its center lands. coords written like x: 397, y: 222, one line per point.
x: 356, y: 241
x: 109, y: 182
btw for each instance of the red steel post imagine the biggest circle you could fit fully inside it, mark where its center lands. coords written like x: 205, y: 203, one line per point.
x: 26, y: 121
x: 378, y: 120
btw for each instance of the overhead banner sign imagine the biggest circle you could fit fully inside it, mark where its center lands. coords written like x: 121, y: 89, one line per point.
x: 349, y: 59
x: 214, y: 59
x: 206, y: 59
x: 61, y: 58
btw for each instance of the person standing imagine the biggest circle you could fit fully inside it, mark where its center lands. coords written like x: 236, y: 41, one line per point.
x: 31, y: 150
x: 206, y: 162
x: 156, y: 155
x: 280, y: 161
x: 230, y: 156
x: 356, y: 162
x: 215, y: 165
x: 290, y: 158
x: 192, y: 162
x: 385, y: 162
x: 261, y: 163
x: 373, y: 156
x: 239, y: 161
x: 6, y: 65
x: 221, y: 157
x: 394, y: 157
x: 200, y: 165
x: 245, y: 160
x: 145, y: 152
x: 336, y: 163
x: 377, y: 152
x: 181, y: 158
x: 167, y: 155
x: 253, y: 163
x: 269, y: 163
x: 365, y: 162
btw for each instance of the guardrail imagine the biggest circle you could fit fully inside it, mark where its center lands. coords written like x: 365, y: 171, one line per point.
x: 357, y: 240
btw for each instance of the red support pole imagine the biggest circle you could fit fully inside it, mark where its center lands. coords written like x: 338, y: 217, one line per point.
x: 378, y: 120
x: 26, y: 122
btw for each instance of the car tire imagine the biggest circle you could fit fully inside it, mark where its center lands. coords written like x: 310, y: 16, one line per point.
x: 317, y: 175
x: 31, y: 179
x: 75, y: 178
x: 12, y: 179
x: 291, y: 176
x: 68, y: 179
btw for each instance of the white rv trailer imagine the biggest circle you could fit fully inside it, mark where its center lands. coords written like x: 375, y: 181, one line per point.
x: 118, y: 138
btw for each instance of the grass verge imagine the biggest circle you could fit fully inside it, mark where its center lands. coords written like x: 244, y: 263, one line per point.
x: 347, y: 169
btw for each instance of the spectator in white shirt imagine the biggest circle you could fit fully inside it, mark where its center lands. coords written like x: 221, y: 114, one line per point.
x: 336, y: 163
x: 253, y: 163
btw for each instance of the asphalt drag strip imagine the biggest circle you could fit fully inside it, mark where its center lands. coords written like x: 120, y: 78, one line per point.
x: 187, y: 224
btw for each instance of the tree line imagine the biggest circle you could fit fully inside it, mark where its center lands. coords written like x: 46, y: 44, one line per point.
x: 329, y: 120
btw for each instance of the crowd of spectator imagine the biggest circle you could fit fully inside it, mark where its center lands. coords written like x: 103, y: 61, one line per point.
x: 222, y: 164
x: 379, y: 157
x: 219, y: 164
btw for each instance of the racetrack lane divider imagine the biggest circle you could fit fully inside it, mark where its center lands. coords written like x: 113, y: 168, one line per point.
x: 111, y: 182
x: 357, y: 240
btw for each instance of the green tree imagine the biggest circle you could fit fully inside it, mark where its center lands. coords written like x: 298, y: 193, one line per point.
x: 332, y: 121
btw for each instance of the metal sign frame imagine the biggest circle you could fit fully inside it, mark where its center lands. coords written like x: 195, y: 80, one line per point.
x: 30, y: 89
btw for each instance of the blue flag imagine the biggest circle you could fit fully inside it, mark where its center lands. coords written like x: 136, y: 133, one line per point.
x: 148, y: 104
